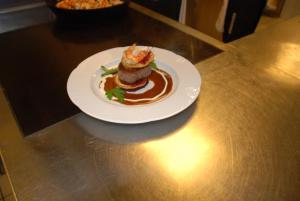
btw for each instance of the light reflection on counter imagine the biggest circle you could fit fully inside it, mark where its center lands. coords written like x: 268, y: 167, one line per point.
x: 181, y: 154
x: 287, y: 60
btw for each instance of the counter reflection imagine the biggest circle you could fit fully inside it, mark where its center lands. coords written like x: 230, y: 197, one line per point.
x: 287, y: 59
x: 181, y: 154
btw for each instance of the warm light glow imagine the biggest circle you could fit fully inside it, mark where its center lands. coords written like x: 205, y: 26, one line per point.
x: 180, y: 154
x: 288, y: 60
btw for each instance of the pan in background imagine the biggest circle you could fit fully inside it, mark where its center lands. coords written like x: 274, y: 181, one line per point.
x: 82, y: 15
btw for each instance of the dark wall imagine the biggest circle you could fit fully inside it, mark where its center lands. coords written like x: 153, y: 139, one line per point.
x: 9, y: 3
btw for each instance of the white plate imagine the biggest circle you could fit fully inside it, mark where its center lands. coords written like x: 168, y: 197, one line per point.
x: 83, y: 88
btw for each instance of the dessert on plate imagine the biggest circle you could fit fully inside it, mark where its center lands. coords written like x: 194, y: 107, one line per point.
x: 137, y: 79
x: 134, y: 68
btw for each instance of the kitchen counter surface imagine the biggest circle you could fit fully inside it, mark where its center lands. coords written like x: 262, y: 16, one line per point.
x: 48, y: 53
x: 239, y: 141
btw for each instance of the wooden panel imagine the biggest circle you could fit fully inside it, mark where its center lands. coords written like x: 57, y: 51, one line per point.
x: 169, y: 8
x: 274, y: 8
x: 203, y: 14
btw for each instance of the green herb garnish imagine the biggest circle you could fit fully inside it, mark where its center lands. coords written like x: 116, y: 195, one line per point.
x: 153, y: 65
x: 116, y: 92
x: 108, y: 71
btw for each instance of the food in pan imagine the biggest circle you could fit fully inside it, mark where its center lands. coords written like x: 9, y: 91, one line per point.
x: 137, y: 79
x: 87, y: 4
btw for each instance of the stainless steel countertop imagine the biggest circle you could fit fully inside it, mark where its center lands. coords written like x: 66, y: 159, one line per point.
x: 239, y: 141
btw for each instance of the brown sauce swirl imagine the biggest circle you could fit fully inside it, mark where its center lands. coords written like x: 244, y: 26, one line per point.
x: 159, y: 85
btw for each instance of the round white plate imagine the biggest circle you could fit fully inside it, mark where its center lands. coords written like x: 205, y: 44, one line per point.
x: 83, y: 88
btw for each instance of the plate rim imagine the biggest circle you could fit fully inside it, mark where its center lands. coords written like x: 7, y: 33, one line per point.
x: 123, y: 118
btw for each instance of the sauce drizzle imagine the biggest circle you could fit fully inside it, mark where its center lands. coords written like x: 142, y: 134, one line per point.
x: 162, y: 86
